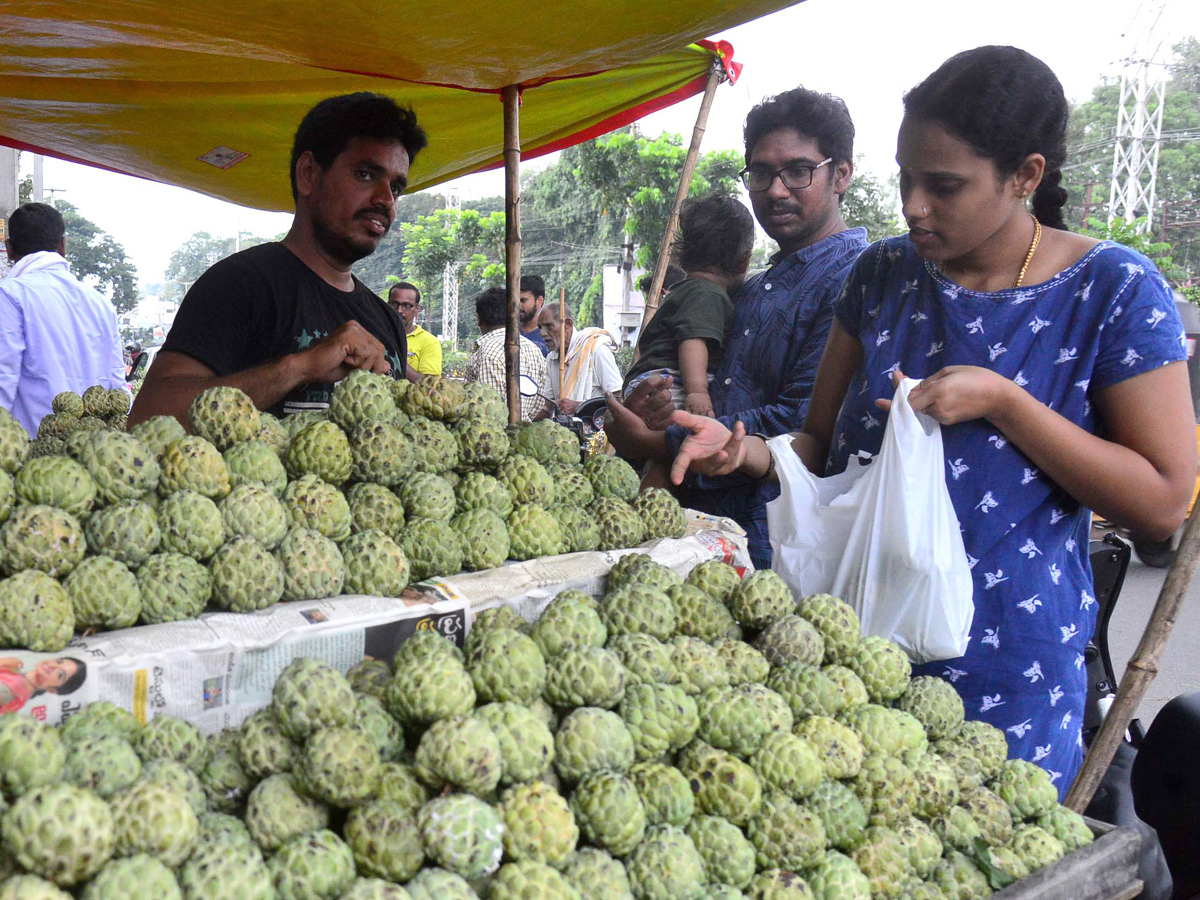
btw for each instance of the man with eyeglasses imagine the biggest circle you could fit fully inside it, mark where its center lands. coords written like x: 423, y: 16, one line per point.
x: 424, y: 350
x: 799, y: 161
x: 285, y: 321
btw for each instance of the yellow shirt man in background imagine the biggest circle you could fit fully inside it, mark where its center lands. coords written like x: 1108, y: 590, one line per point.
x: 424, y: 350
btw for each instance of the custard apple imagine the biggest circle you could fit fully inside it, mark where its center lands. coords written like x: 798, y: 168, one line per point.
x: 127, y: 531
x: 435, y: 397
x: 590, y: 740
x: 660, y: 718
x: 533, y: 532
x: 883, y: 668
x: 190, y: 464
x: 432, y: 444
x: 340, y: 766
x: 760, y: 599
x: 481, y: 444
x: 478, y: 490
x: 316, y: 504
x: 31, y: 755
x: 666, y: 795
x: 585, y: 676
x: 103, y: 594
x: 633, y: 609
x: 223, y: 416
x: 565, y: 623
x: 375, y: 565
x: 246, y: 576
x: 59, y: 832
x: 255, y: 512
x: 381, y: 453
x: 662, y: 516
x: 838, y: 623
x: 526, y: 744
x: 56, y: 481
x: 609, y: 812
x: 310, y: 695
x: 538, y: 825
x: 360, y: 397
x: 385, y: 841
x: 312, y: 565
x: 191, y: 525
x: 155, y: 818
x: 35, y: 613
x: 44, y: 538
x: 424, y: 690
x: 375, y: 507
x: 433, y: 548
x: 611, y: 477
x: 277, y: 811
x: 106, y: 764
x: 462, y: 834
x: 314, y: 866
x: 320, y: 449
x: 620, y: 526
x: 255, y: 462
x: 715, y: 578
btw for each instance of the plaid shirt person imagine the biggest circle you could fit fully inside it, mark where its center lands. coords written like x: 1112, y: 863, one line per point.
x: 486, y: 365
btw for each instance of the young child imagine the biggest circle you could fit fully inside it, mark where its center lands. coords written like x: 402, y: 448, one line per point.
x: 686, y: 337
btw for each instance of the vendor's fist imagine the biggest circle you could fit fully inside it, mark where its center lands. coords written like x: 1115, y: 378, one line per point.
x: 350, y: 347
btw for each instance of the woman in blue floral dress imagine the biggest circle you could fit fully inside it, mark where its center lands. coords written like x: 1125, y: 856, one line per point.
x: 1053, y: 362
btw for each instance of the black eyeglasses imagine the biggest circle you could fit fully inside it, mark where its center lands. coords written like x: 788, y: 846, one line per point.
x: 404, y: 306
x: 794, y: 176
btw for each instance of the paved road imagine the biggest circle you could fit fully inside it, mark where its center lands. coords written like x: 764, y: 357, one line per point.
x: 1179, y: 669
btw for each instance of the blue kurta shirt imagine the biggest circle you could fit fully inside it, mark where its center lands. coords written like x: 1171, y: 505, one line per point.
x: 772, y: 350
x: 1107, y: 318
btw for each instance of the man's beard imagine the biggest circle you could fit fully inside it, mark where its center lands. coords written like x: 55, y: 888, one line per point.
x: 341, y: 247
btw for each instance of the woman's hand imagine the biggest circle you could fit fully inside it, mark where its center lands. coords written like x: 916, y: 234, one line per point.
x: 710, y: 449
x: 956, y: 394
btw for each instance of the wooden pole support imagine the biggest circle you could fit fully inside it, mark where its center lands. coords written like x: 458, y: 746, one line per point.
x: 512, y: 248
x: 1142, y: 668
x: 562, y: 336
x: 715, y: 76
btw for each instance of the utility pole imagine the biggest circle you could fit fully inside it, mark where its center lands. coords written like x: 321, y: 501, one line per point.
x: 38, y: 179
x: 450, y: 303
x: 627, y: 324
x: 10, y: 194
x: 1139, y: 119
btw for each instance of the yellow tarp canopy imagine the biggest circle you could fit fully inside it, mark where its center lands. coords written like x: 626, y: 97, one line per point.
x: 207, y: 94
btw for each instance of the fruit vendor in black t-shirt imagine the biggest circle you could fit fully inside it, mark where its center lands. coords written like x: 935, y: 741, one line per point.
x: 285, y: 321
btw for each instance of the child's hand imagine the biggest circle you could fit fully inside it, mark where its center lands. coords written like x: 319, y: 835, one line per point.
x: 699, y: 404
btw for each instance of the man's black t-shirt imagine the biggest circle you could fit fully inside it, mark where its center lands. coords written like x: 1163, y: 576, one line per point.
x: 264, y: 303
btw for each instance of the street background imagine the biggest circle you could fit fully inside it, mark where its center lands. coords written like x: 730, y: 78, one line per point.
x: 1179, y: 669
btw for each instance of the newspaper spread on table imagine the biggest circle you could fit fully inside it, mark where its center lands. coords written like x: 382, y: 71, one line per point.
x: 217, y: 670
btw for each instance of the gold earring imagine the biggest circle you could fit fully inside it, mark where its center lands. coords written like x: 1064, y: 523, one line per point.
x: 1022, y: 194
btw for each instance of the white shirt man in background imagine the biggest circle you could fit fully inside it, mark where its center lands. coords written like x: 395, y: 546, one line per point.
x: 591, y: 363
x: 56, y: 333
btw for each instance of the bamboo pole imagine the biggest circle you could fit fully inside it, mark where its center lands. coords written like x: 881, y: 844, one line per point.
x: 512, y: 248
x: 1140, y: 671
x: 562, y: 336
x: 715, y: 76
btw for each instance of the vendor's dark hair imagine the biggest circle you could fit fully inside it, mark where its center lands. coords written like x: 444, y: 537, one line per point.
x: 35, y: 227
x: 715, y: 232
x: 330, y: 125
x: 1006, y: 104
x: 492, y: 307
x: 822, y: 117
x: 535, y: 284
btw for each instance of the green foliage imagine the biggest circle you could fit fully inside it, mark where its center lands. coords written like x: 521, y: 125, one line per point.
x: 1132, y: 235
x: 1091, y: 130
x: 96, y: 257
x: 191, y: 260
x: 871, y: 204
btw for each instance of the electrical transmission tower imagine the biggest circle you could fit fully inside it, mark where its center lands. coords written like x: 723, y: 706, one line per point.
x: 450, y: 282
x: 1139, y: 118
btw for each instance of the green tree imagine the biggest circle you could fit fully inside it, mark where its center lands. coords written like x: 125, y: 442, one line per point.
x: 871, y: 204
x: 1091, y: 134
x: 194, y: 257
x: 96, y: 257
x: 577, y: 212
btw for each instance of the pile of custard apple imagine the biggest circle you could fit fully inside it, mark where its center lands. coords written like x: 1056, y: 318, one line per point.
x: 102, y: 528
x: 707, y: 738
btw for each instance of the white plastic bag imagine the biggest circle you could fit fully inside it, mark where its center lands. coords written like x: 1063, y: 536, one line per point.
x: 884, y: 537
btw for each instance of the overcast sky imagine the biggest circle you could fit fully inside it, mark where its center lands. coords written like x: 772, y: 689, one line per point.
x: 867, y: 51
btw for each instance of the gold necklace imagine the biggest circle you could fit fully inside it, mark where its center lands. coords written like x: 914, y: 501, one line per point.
x: 1037, y: 238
